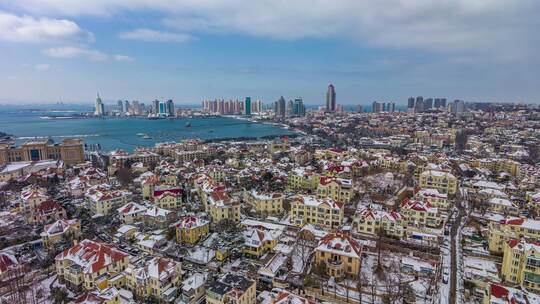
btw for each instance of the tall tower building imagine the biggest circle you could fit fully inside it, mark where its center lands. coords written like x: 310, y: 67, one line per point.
x: 155, y: 106
x: 280, y: 108
x: 331, y: 99
x: 428, y: 104
x: 419, y: 104
x: 99, y: 107
x: 247, y: 106
x: 299, y: 109
x: 170, y: 108
x: 410, y: 103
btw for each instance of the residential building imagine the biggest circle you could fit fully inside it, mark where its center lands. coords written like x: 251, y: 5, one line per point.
x: 158, y: 277
x: 500, y: 232
x: 190, y: 229
x: 61, y: 230
x: 338, y: 189
x: 444, y: 182
x: 265, y: 203
x: 89, y: 263
x: 231, y: 288
x: 372, y: 221
x: 340, y: 253
x: 311, y: 210
x: 521, y: 264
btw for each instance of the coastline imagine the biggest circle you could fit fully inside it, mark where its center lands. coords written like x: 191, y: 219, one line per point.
x: 113, y: 133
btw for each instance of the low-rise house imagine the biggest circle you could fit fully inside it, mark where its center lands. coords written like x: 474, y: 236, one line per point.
x: 372, y: 221
x: 131, y: 212
x: 7, y: 262
x: 231, y: 288
x: 258, y: 242
x: 168, y: 200
x: 101, y: 199
x: 420, y: 214
x: 220, y: 206
x: 193, y: 288
x: 158, y: 277
x: 503, y: 206
x: 340, y: 253
x: 158, y: 218
x: 265, y: 203
x: 504, y: 230
x: 338, y: 189
x: 59, y: 231
x: 500, y: 294
x: 302, y: 179
x: 46, y: 212
x: 434, y: 197
x: 190, y: 229
x: 88, y: 263
x: 108, y: 295
x: 443, y: 181
x: 311, y: 210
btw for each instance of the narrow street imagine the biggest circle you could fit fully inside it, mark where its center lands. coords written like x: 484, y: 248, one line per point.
x: 453, y: 250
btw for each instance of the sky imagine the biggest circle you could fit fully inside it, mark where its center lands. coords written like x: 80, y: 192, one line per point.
x: 191, y: 50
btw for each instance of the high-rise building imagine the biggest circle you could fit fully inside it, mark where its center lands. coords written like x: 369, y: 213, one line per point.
x: 170, y: 108
x: 280, y: 108
x: 125, y: 106
x: 428, y: 104
x: 299, y: 109
x: 391, y: 107
x: 163, y: 109
x: 376, y: 107
x: 359, y: 109
x: 331, y: 99
x: 120, y: 106
x: 289, y: 110
x: 410, y: 103
x: 155, y: 106
x: 459, y: 106
x: 247, y: 106
x: 99, y: 108
x: 419, y: 104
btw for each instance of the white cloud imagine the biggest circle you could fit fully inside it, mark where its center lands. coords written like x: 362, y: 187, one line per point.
x: 155, y: 36
x: 123, y: 58
x: 42, y: 67
x: 76, y: 52
x: 15, y: 28
x: 498, y: 28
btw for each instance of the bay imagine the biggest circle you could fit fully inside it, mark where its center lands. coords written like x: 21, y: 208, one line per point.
x: 121, y: 133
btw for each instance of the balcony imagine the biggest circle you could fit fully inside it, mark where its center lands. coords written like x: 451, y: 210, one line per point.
x: 336, y: 268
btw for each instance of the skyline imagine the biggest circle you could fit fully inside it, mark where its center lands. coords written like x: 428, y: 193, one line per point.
x: 64, y: 51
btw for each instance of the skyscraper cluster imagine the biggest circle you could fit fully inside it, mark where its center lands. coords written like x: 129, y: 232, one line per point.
x: 230, y: 107
x: 124, y: 107
x: 165, y: 108
x: 377, y: 107
x: 419, y: 104
x: 292, y: 108
x: 331, y: 99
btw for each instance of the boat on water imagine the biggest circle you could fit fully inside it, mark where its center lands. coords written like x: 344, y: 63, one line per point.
x: 188, y: 125
x: 211, y: 131
x: 143, y: 135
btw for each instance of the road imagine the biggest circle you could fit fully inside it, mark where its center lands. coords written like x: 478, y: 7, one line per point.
x: 453, y: 252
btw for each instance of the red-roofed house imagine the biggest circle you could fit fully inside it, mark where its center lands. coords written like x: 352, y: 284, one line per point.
x: 340, y: 252
x: 82, y: 265
x: 191, y: 229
